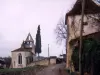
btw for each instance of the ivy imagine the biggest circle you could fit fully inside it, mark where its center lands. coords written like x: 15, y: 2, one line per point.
x: 91, y: 51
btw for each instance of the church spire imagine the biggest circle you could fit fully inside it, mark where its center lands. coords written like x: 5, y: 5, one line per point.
x: 29, y: 37
x: 29, y: 42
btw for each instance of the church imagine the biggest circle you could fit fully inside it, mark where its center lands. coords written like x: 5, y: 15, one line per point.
x: 24, y: 55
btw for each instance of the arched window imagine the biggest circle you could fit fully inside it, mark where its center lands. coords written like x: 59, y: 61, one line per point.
x: 20, y: 59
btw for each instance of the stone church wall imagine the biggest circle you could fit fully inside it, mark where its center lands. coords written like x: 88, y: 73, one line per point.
x: 15, y: 59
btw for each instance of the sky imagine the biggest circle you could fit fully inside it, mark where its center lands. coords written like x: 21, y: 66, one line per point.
x: 19, y: 17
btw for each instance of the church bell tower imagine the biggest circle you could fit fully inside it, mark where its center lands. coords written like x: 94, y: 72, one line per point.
x: 29, y: 42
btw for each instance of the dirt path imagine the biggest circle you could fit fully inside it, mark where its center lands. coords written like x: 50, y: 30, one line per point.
x: 52, y: 70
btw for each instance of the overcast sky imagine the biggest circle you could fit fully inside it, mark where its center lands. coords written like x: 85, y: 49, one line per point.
x: 19, y: 17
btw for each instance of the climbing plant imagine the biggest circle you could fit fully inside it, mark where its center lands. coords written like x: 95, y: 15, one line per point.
x: 90, y: 56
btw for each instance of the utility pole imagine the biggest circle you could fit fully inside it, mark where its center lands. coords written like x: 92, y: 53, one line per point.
x: 48, y: 55
x: 62, y: 52
x: 81, y: 38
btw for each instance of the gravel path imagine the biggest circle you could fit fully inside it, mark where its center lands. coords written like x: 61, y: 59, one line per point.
x: 52, y: 70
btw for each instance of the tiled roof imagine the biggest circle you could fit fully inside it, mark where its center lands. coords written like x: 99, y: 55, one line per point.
x: 90, y: 8
x: 23, y: 49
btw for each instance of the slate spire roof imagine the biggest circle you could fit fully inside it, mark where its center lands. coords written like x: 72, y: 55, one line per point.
x: 29, y: 38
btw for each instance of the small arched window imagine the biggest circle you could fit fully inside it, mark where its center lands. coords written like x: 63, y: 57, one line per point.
x: 20, y: 59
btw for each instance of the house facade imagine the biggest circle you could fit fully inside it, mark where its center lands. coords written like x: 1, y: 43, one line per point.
x: 91, y: 25
x: 24, y: 55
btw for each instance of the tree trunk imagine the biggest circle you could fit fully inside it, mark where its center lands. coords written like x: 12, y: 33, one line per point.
x: 38, y: 56
x: 92, y: 66
x: 83, y: 63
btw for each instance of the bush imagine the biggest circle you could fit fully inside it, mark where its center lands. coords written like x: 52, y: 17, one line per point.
x: 67, y: 70
x: 37, y: 68
x: 73, y: 73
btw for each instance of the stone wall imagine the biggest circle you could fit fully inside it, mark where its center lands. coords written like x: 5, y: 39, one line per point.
x: 44, y: 62
x: 15, y: 59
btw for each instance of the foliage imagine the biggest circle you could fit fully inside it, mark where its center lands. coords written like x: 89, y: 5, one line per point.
x: 37, y: 68
x: 7, y: 61
x: 90, y: 56
x: 75, y: 58
x: 67, y: 70
x: 73, y: 73
x: 38, y: 41
x: 70, y: 73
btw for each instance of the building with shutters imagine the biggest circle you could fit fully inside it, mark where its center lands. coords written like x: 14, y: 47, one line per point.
x: 91, y: 25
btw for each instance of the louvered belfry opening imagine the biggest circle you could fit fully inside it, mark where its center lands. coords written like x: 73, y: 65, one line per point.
x: 29, y: 42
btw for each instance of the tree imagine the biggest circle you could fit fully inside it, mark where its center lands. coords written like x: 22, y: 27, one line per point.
x: 7, y: 61
x: 61, y: 31
x: 38, y: 42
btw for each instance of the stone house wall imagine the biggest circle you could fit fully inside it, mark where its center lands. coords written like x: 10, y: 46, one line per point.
x: 73, y: 24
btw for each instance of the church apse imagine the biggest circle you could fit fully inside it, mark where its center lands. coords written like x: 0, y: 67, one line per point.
x: 23, y: 54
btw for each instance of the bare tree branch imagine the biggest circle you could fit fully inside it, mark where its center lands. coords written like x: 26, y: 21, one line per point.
x: 61, y: 31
